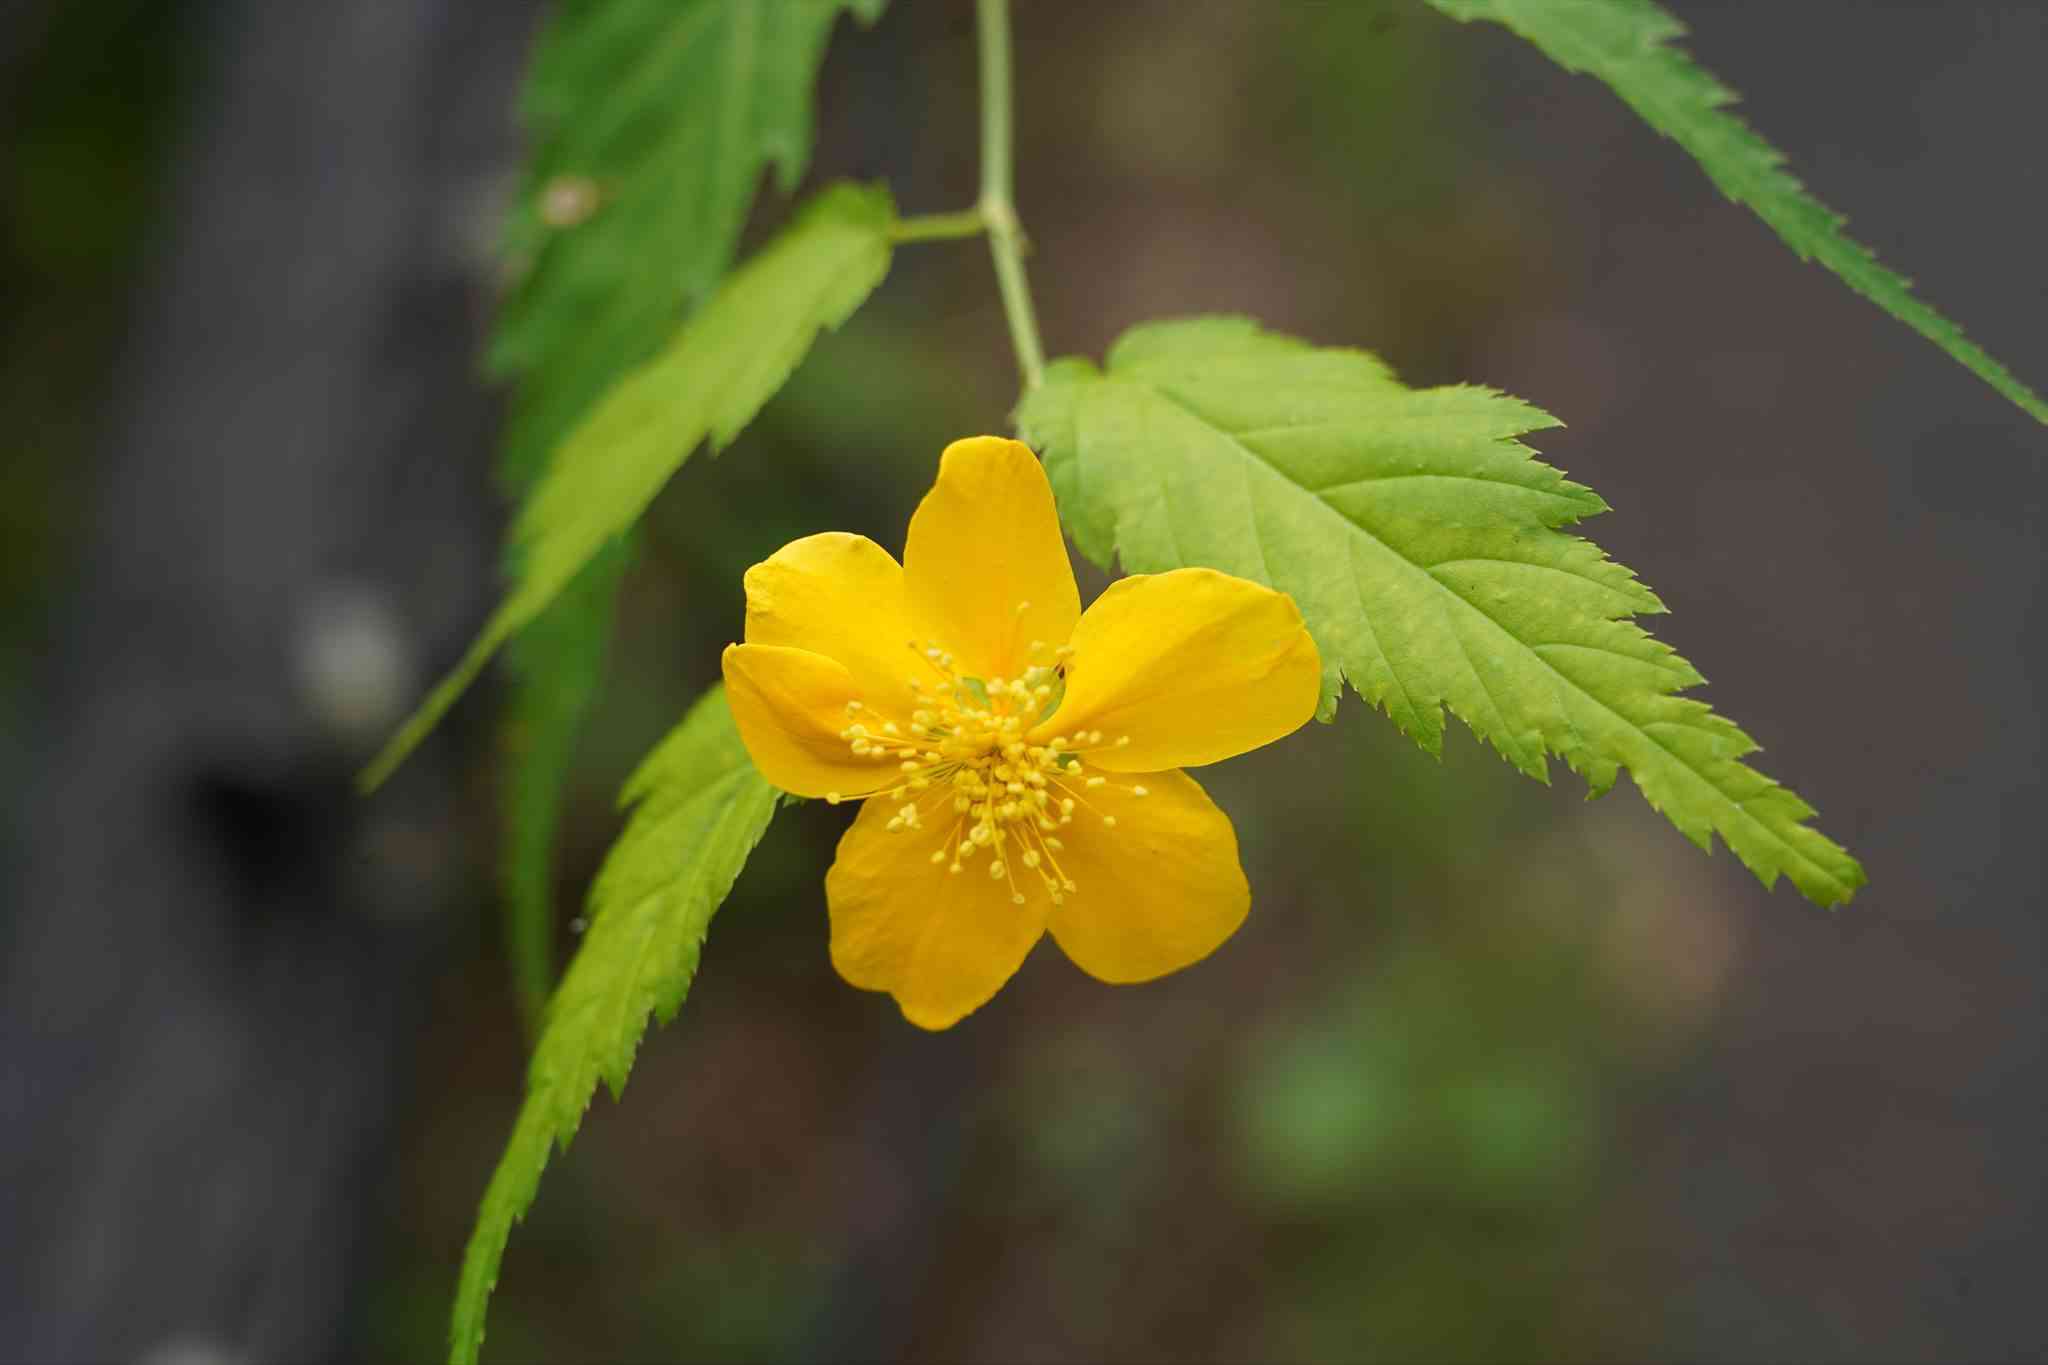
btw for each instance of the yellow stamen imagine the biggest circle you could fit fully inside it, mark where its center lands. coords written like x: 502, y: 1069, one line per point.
x: 967, y: 737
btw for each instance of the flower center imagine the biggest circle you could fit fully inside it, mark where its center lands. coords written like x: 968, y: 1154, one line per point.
x: 964, y: 755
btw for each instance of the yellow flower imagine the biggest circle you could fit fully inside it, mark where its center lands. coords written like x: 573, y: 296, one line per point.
x: 1019, y: 759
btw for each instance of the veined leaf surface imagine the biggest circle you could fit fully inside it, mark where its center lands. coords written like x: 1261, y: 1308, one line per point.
x: 1627, y: 44
x: 725, y: 362
x: 698, y: 810
x: 1422, y: 542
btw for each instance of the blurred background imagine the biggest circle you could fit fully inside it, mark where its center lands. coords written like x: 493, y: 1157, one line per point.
x: 1492, y: 1073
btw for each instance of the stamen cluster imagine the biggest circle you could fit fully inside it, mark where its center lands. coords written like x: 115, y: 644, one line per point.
x: 964, y: 752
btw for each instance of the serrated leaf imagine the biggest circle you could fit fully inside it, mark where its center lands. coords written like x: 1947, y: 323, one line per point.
x: 1626, y: 44
x: 556, y: 665
x: 699, y: 808
x: 724, y: 363
x: 1421, y: 540
x: 652, y: 121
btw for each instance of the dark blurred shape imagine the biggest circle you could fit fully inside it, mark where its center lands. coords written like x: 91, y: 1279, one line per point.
x: 88, y: 109
x: 215, y: 952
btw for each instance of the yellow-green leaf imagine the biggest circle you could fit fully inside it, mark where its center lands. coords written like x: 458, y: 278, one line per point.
x: 724, y: 364
x: 698, y: 810
x: 1627, y: 44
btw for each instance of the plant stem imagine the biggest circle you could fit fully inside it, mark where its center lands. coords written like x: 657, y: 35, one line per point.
x: 998, y: 193
x: 939, y: 227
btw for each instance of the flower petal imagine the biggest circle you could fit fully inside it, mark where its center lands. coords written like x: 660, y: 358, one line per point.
x: 983, y: 541
x: 840, y: 596
x: 1156, y: 892
x: 1193, y: 665
x: 790, y: 707
x: 941, y: 942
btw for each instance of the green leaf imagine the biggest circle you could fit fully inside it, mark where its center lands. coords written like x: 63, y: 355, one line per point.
x: 1421, y: 541
x: 556, y: 664
x: 699, y: 808
x: 724, y: 363
x: 652, y: 121
x: 1626, y: 44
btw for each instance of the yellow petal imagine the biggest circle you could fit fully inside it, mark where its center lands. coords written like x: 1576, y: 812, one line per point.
x: 984, y: 543
x: 941, y: 942
x: 790, y: 707
x: 840, y: 596
x: 1193, y: 665
x: 1160, y: 889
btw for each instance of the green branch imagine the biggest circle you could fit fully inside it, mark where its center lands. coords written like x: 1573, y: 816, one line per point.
x: 998, y: 191
x: 939, y: 227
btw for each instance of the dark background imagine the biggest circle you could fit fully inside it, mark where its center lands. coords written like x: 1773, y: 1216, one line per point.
x: 1491, y: 1073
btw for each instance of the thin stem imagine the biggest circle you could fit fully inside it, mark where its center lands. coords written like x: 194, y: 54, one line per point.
x: 998, y: 191
x: 939, y: 227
